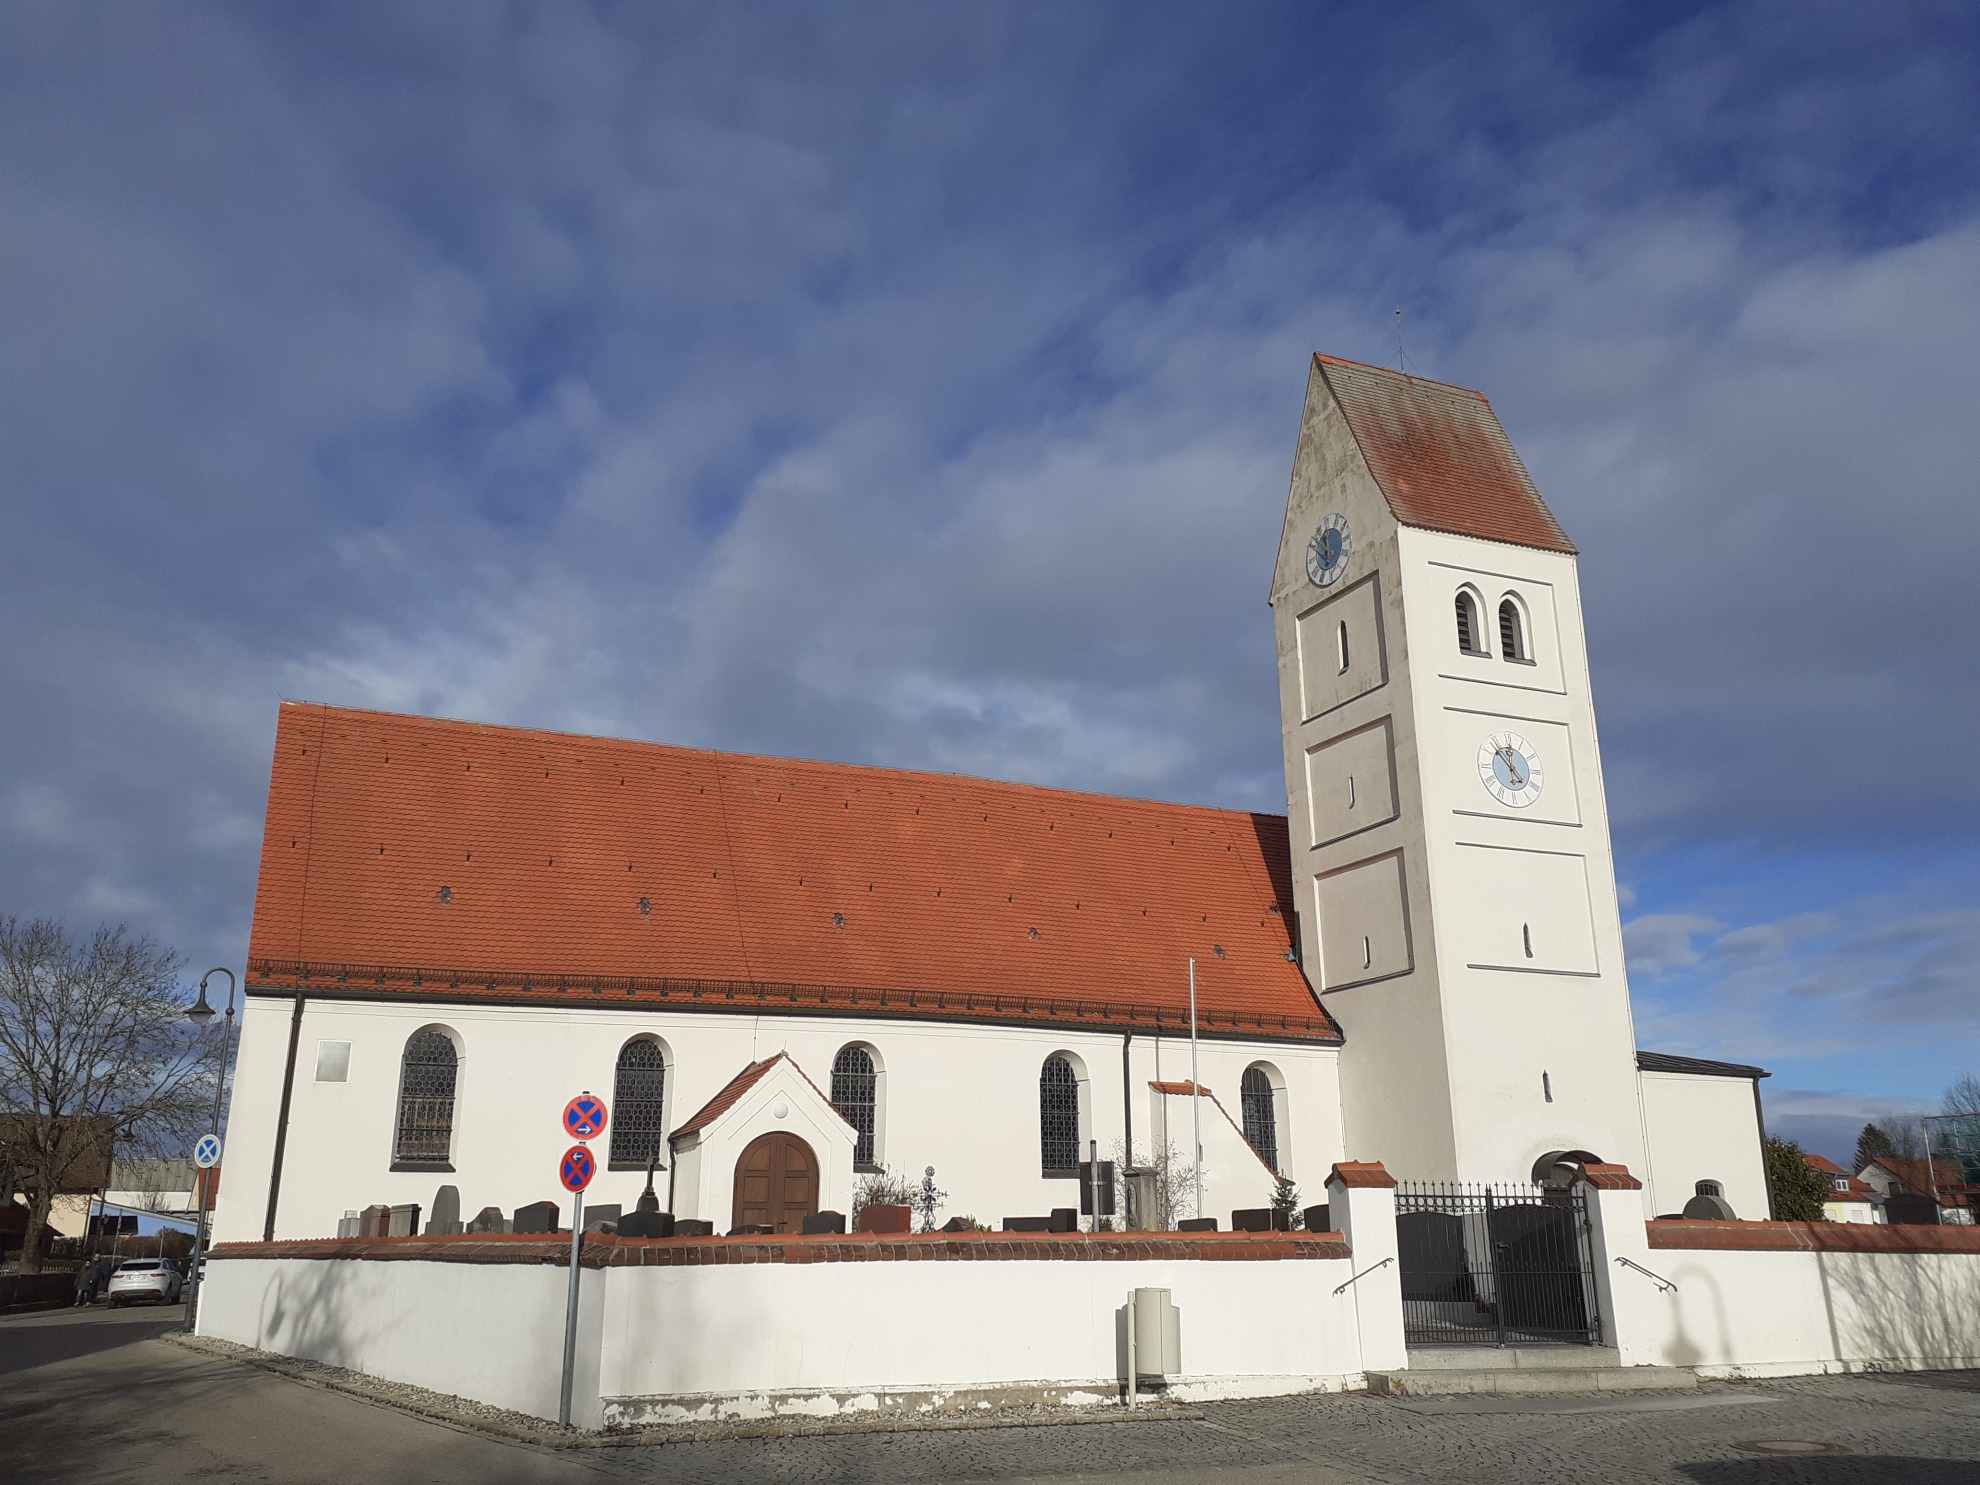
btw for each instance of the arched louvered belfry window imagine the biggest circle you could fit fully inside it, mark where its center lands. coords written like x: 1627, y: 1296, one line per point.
x: 639, y: 1103
x: 1058, y: 1116
x: 425, y: 1131
x: 1512, y: 632
x: 1261, y: 1115
x: 855, y: 1094
x: 1467, y: 624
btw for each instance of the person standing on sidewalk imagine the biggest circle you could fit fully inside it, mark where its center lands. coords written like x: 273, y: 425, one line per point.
x: 86, y: 1281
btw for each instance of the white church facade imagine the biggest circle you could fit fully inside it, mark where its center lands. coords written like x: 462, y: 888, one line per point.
x: 787, y: 976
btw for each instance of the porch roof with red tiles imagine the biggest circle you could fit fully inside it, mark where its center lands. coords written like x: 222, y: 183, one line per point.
x: 1440, y: 456
x: 409, y: 856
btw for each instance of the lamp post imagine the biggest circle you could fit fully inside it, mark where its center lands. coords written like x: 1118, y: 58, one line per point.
x: 199, y: 1013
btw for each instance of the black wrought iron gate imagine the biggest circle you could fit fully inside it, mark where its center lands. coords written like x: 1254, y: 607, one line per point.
x: 1495, y: 1266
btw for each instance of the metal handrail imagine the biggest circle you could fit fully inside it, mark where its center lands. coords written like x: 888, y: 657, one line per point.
x: 1668, y: 1286
x: 1343, y: 1288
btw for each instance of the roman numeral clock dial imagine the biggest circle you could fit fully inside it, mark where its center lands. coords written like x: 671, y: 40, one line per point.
x: 1327, y: 553
x: 1509, y: 769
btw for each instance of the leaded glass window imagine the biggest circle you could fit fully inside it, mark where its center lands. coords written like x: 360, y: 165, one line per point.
x: 1058, y: 1115
x: 855, y: 1087
x: 639, y: 1114
x: 1261, y: 1115
x: 426, y: 1099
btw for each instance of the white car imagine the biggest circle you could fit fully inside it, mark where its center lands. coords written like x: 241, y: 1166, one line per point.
x: 145, y: 1278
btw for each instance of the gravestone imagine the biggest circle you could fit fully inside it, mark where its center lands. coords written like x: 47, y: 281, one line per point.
x: 960, y: 1224
x: 347, y: 1225
x: 374, y: 1221
x: 693, y: 1227
x: 824, y: 1222
x: 1197, y: 1224
x: 603, y: 1217
x: 644, y: 1224
x: 404, y: 1221
x: 752, y: 1229
x: 538, y: 1216
x: 1261, y: 1219
x: 489, y: 1219
x: 445, y: 1220
x: 1065, y: 1219
x: 883, y: 1219
x: 1027, y: 1224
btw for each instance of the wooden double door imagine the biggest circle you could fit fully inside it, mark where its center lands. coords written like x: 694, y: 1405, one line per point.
x: 776, y: 1183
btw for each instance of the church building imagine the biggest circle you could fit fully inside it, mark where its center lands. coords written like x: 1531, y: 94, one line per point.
x: 786, y: 978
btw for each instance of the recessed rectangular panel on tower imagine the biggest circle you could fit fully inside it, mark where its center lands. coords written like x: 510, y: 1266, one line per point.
x: 1351, y: 783
x: 1510, y: 767
x: 1363, y: 911
x: 1340, y: 648
x: 1525, y: 911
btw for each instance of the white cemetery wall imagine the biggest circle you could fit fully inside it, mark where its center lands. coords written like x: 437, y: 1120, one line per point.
x: 722, y: 1328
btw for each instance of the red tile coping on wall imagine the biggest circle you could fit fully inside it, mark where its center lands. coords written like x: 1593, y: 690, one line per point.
x: 1610, y: 1178
x: 600, y: 1251
x: 1361, y: 1173
x: 1813, y: 1237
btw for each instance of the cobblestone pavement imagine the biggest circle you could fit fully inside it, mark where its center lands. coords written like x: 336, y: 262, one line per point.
x: 1916, y: 1429
x: 104, y: 1399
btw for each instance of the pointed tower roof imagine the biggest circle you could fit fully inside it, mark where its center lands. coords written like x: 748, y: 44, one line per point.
x: 1440, y: 457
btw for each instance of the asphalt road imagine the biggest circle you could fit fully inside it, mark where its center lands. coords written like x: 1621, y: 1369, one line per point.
x: 97, y: 1396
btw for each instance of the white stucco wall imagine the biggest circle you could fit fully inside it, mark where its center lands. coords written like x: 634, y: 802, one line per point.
x: 1702, y: 1129
x: 962, y: 1098
x: 747, y: 1340
x: 1761, y: 1314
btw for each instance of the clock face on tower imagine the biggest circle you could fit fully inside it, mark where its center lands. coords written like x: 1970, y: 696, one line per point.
x: 1509, y: 769
x: 1327, y: 553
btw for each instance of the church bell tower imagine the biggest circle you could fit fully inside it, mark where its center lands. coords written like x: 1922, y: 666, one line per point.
x: 1452, y: 871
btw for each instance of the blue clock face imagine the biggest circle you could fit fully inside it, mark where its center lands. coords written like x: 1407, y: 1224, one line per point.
x: 1509, y: 769
x: 1327, y: 554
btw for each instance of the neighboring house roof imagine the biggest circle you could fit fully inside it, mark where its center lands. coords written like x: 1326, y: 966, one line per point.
x: 152, y: 1175
x: 1703, y: 1067
x: 1851, y: 1190
x: 1441, y: 458
x: 1908, y: 1173
x: 405, y: 856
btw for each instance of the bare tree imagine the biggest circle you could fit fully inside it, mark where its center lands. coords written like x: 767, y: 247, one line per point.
x: 94, y: 1047
x: 1963, y: 1098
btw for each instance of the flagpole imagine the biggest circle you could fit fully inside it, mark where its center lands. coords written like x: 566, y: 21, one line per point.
x: 1195, y: 1096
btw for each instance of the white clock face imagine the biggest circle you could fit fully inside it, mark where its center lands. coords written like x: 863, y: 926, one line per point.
x: 1327, y: 553
x: 1509, y: 769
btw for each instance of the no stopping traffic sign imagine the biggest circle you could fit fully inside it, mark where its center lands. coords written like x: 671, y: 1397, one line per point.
x: 578, y: 1167
x: 584, y: 1117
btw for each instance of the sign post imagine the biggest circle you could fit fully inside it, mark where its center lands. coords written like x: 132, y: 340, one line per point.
x: 584, y: 1119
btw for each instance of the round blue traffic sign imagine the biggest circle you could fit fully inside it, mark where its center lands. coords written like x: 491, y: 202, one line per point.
x: 578, y: 1167
x: 206, y: 1151
x: 584, y: 1117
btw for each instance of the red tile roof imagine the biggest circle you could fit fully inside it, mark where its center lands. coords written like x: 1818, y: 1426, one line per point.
x: 410, y: 856
x: 1440, y: 456
x: 1853, y: 1190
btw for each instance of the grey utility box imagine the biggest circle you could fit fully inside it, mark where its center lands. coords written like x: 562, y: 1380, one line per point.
x: 1155, y: 1334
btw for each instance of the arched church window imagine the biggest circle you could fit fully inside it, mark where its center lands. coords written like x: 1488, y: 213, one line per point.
x: 639, y: 1103
x: 425, y: 1132
x: 1467, y: 625
x: 1261, y: 1114
x: 1058, y: 1116
x: 855, y: 1094
x: 1512, y: 632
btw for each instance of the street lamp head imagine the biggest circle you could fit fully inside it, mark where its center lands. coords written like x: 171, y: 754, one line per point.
x: 200, y: 1012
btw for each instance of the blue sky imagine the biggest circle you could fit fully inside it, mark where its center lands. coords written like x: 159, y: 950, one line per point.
x: 917, y: 385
